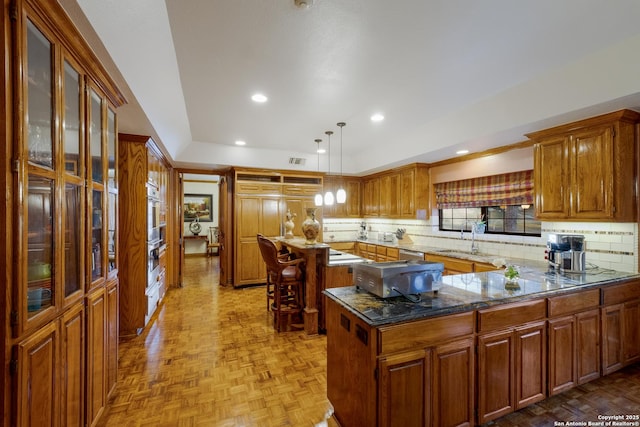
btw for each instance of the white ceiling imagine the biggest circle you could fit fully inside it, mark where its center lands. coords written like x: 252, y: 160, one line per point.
x: 447, y: 74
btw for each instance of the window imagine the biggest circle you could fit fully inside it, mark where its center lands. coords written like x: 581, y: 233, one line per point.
x: 509, y: 219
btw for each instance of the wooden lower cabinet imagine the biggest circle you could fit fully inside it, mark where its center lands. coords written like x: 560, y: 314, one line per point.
x: 511, y: 370
x: 453, y: 384
x: 112, y: 305
x: 621, y: 335
x: 38, y: 367
x: 431, y: 386
x: 96, y: 355
x: 73, y: 365
x: 620, y: 317
x: 574, y: 350
x: 404, y: 390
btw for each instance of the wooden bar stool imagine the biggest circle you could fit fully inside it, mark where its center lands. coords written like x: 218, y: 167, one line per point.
x: 285, y: 283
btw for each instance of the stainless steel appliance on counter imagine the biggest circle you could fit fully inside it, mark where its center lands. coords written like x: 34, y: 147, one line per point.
x: 397, y: 278
x: 566, y: 252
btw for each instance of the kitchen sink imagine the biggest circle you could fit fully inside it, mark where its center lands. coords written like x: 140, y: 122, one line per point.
x: 457, y: 251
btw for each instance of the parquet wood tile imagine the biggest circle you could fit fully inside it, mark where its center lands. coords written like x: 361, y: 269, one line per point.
x: 211, y: 358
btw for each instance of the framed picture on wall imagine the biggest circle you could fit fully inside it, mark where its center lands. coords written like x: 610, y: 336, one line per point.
x: 198, y: 206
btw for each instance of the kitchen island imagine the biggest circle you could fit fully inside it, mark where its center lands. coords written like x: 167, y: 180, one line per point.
x: 477, y: 350
x: 324, y: 268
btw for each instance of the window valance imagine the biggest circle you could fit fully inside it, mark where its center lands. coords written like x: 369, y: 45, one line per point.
x: 515, y: 188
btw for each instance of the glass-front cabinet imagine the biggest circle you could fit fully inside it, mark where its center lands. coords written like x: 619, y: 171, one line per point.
x: 63, y: 128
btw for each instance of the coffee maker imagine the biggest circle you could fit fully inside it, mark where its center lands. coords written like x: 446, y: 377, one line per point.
x: 566, y: 252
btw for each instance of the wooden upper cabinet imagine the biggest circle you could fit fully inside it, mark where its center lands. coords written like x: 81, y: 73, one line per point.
x: 352, y: 186
x: 586, y: 170
x: 389, y: 192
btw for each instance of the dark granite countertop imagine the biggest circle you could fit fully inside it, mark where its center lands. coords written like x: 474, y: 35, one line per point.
x: 465, y: 292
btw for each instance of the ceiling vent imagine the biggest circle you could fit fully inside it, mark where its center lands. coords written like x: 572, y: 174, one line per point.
x: 297, y: 161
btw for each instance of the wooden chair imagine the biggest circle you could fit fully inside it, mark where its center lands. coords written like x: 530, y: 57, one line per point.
x: 213, y: 242
x: 285, y: 283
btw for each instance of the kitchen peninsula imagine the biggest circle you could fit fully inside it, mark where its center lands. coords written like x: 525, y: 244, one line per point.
x: 477, y: 350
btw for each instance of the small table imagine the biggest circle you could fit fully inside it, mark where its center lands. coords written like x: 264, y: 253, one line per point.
x: 199, y: 237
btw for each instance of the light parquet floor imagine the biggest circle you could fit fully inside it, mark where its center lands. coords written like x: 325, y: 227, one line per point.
x: 212, y: 358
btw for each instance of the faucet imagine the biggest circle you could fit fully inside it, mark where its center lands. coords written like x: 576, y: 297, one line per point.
x: 474, y: 247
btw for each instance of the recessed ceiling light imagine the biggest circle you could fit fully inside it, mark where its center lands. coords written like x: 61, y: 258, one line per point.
x: 321, y: 151
x: 462, y: 152
x: 258, y: 97
x: 377, y: 117
x: 239, y: 142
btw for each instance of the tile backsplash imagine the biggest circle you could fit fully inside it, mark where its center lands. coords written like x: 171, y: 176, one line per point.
x: 609, y: 245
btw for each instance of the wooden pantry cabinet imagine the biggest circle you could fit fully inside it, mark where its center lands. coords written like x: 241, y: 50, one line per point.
x: 620, y: 316
x: 260, y: 201
x: 60, y: 213
x: 586, y: 170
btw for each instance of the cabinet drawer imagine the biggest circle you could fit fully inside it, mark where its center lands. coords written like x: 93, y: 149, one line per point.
x: 371, y: 248
x: 620, y: 293
x: 479, y: 267
x: 258, y: 188
x: 381, y: 250
x: 511, y: 314
x: 424, y: 333
x: 573, y: 303
x: 454, y: 264
x: 393, y: 254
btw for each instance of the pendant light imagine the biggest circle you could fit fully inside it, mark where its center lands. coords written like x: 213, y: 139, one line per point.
x: 328, y: 196
x: 341, y: 195
x: 318, y: 196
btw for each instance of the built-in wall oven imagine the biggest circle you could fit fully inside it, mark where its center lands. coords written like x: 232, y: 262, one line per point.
x: 153, y: 214
x: 153, y: 234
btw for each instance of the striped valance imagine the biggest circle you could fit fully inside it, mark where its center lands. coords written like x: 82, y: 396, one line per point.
x: 514, y: 188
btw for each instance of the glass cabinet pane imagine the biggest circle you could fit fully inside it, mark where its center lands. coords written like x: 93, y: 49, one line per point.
x: 96, y: 235
x: 71, y: 119
x: 95, y: 138
x: 111, y: 149
x: 40, y: 241
x: 39, y: 97
x: 72, y: 239
x: 112, y: 235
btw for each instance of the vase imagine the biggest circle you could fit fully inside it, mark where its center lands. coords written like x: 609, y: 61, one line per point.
x: 310, y: 227
x: 289, y: 225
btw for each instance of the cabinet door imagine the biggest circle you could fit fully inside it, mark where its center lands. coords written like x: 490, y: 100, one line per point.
x: 408, y: 194
x: 631, y: 331
x: 612, y: 338
x: 404, y: 390
x: 112, y: 336
x: 371, y: 197
x: 496, y: 375
x: 588, y: 346
x: 37, y: 359
x: 72, y: 361
x: 254, y: 215
x: 592, y: 174
x: 96, y: 357
x: 453, y: 384
x: 390, y: 196
x: 354, y: 198
x: 562, y: 354
x: 551, y: 178
x: 531, y: 367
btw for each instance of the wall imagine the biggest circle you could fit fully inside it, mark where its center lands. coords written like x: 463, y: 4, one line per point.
x: 201, y: 184
x: 609, y: 245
